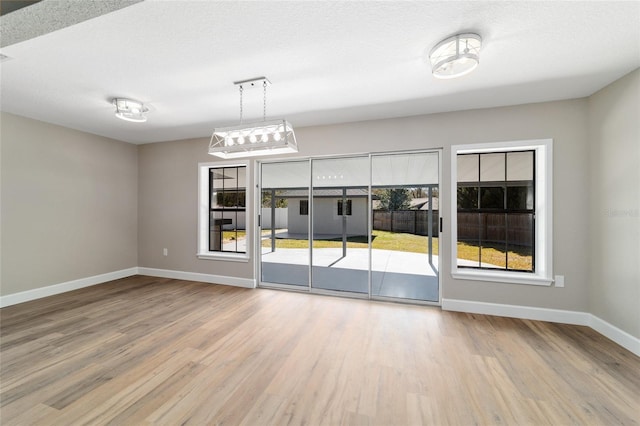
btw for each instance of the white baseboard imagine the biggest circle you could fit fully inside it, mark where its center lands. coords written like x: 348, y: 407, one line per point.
x: 195, y: 276
x: 608, y: 330
x: 51, y: 290
x: 37, y: 293
x: 516, y: 311
x: 612, y: 332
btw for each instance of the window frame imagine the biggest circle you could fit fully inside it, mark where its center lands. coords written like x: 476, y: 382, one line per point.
x: 204, y: 208
x: 543, y: 238
x: 504, y: 184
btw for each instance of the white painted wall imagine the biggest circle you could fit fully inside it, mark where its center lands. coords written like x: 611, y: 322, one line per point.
x: 281, y: 215
x: 296, y: 223
x: 326, y: 219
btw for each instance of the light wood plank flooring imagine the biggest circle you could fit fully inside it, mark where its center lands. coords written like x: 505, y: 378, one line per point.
x: 145, y: 350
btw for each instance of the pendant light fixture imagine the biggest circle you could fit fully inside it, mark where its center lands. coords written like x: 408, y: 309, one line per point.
x: 253, y: 139
x: 456, y: 56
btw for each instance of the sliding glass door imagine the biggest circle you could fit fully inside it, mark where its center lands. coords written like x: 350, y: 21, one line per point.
x: 405, y: 226
x: 284, y: 223
x: 340, y: 218
x: 364, y: 225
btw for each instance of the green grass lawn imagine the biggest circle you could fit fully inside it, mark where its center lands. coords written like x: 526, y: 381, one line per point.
x: 228, y: 236
x: 382, y: 240
x: 520, y: 259
x: 397, y: 241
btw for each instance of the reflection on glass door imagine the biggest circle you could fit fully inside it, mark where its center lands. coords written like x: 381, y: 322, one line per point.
x: 284, y: 223
x: 404, y: 248
x: 340, y: 218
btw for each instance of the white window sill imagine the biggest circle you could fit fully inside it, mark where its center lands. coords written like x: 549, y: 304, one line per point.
x: 502, y: 277
x: 229, y: 257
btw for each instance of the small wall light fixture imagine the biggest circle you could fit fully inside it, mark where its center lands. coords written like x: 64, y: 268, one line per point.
x: 456, y: 56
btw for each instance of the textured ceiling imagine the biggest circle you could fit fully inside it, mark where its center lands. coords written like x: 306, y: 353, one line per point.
x: 328, y: 62
x: 9, y: 6
x: 43, y: 17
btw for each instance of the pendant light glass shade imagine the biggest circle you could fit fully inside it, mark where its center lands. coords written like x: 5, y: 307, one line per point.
x: 456, y: 56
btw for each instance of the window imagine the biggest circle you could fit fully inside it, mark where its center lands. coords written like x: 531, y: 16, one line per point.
x: 223, y: 221
x: 348, y: 209
x: 496, y: 211
x: 227, y: 209
x: 502, y: 200
x: 304, y: 207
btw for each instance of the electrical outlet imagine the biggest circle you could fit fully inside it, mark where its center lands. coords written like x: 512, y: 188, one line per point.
x: 165, y: 251
x: 559, y: 280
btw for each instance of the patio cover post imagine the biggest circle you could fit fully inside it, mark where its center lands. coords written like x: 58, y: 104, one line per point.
x: 344, y: 222
x: 430, y: 223
x: 273, y: 220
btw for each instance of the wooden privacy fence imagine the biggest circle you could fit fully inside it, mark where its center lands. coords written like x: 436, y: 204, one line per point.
x: 515, y: 228
x: 409, y: 221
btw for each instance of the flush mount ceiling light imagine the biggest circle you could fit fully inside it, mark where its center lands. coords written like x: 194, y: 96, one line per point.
x: 456, y: 55
x: 130, y: 110
x: 253, y: 139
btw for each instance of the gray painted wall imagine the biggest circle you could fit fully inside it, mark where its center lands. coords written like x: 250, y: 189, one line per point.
x: 614, y: 186
x: 168, y: 209
x: 69, y: 204
x: 168, y: 190
x: 73, y: 206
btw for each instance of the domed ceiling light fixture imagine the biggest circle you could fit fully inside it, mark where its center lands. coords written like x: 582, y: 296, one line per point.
x: 456, y: 56
x: 253, y: 139
x: 130, y: 110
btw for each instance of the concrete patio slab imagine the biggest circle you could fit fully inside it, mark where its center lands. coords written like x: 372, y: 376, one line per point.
x: 394, y: 273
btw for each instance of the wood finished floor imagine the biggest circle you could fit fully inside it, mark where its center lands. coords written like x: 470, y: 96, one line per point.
x: 145, y: 350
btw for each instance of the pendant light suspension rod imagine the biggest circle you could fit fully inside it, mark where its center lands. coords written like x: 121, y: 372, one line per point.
x: 264, y: 100
x: 253, y: 83
x: 241, y: 90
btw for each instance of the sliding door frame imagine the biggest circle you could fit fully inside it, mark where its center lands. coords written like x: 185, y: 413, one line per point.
x: 309, y: 288
x: 439, y: 151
